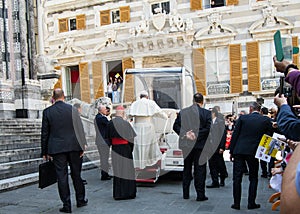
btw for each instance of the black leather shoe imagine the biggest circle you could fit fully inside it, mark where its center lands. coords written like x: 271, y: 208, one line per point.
x: 84, y: 182
x: 253, y: 206
x: 105, y: 178
x: 82, y: 203
x: 186, y: 197
x: 204, y: 198
x: 235, y: 206
x: 222, y: 183
x: 264, y: 176
x: 65, y: 210
x: 213, y: 186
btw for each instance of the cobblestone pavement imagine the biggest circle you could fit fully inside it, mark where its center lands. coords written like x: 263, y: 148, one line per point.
x: 163, y: 197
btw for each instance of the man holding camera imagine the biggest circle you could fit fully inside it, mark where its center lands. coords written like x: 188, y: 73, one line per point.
x: 289, y: 125
x: 287, y: 121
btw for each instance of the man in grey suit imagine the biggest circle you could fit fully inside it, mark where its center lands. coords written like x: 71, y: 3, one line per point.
x: 245, y: 139
x: 63, y: 140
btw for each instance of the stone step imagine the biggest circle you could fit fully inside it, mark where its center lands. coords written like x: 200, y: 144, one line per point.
x: 20, y: 121
x: 9, y: 129
x: 22, y: 167
x: 19, y: 181
x: 17, y: 168
x: 4, y: 125
x: 19, y: 154
x: 21, y: 132
x: 12, y: 136
x: 17, y: 126
x: 19, y: 142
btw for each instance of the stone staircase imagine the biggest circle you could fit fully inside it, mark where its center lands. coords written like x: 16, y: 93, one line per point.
x: 20, y: 152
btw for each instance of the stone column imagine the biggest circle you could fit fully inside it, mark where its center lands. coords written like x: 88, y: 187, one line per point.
x: 138, y: 62
x: 28, y: 92
x: 187, y: 61
x: 41, y: 22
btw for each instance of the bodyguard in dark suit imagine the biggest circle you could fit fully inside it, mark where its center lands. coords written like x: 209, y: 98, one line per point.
x: 103, y: 144
x: 266, y: 167
x: 245, y: 139
x: 192, y: 125
x: 217, y: 140
x: 63, y: 139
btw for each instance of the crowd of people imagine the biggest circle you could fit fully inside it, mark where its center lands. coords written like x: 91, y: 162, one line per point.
x: 114, y: 88
x: 204, y: 135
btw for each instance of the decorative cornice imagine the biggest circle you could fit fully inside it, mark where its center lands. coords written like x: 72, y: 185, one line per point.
x: 111, y: 44
x: 68, y: 49
x: 266, y: 27
x: 215, y: 32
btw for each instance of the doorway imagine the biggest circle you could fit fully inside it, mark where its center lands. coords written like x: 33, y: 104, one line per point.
x: 114, y: 80
x: 72, y: 82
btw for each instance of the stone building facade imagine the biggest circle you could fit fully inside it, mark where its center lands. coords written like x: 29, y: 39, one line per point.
x: 227, y: 45
x: 19, y: 87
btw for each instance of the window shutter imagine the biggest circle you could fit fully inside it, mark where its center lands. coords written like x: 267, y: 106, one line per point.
x: 232, y: 2
x: 105, y: 17
x: 125, y: 14
x: 63, y: 25
x: 84, y: 82
x: 129, y: 81
x: 57, y: 67
x: 196, y: 4
x: 296, y: 56
x: 80, y: 22
x: 58, y: 84
x: 97, y: 79
x: 253, y: 66
x: 236, y: 83
x: 199, y: 72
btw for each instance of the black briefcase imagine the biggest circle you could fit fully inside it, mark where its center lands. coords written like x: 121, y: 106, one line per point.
x: 47, y: 174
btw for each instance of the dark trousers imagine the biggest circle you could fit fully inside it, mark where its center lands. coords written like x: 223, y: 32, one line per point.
x: 103, y: 150
x: 264, y: 168
x: 271, y: 165
x: 267, y: 167
x: 238, y: 170
x: 217, y: 165
x: 61, y: 162
x: 191, y: 158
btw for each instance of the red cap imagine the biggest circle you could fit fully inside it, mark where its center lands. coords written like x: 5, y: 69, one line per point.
x: 120, y: 108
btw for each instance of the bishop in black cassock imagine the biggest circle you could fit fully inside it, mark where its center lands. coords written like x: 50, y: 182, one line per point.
x: 122, y: 136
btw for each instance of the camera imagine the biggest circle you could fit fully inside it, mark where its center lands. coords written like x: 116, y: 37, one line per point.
x: 292, y: 98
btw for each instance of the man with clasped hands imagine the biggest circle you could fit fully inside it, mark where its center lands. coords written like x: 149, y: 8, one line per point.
x: 192, y: 125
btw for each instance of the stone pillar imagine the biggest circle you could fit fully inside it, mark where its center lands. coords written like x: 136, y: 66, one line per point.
x: 28, y: 97
x: 187, y: 61
x: 138, y: 62
x: 41, y: 23
x: 7, y: 106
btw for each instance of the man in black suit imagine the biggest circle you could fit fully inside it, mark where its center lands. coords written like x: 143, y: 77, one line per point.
x: 245, y: 139
x: 63, y: 140
x: 217, y: 140
x: 192, y: 125
x: 103, y: 144
x: 266, y: 167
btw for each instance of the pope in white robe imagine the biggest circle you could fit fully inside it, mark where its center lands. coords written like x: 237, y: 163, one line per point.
x: 146, y: 150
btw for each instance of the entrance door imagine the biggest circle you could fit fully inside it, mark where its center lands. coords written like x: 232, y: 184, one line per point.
x: 72, y: 82
x: 115, y: 78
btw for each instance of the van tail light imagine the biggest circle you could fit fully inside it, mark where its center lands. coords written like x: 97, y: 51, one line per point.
x: 177, y: 153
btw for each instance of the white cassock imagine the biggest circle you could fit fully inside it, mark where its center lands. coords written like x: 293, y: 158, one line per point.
x: 146, y: 150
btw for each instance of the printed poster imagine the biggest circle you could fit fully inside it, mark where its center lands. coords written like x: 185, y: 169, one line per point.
x: 268, y: 147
